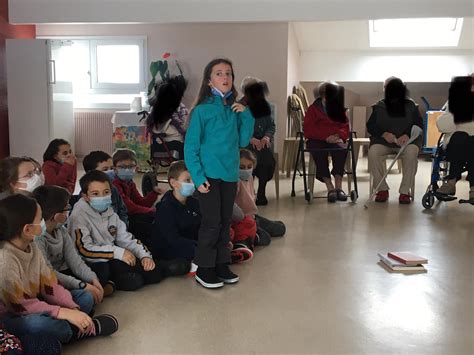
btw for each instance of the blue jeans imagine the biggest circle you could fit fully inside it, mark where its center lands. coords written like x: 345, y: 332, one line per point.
x: 84, y: 300
x: 43, y: 323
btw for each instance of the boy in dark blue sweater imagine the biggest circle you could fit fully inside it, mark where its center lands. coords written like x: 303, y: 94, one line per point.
x: 177, y: 217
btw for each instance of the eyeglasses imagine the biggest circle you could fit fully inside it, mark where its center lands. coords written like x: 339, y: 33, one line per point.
x: 126, y: 166
x: 30, y: 174
x: 68, y: 208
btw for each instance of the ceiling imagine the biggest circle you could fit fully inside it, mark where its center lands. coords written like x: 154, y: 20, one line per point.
x: 168, y: 11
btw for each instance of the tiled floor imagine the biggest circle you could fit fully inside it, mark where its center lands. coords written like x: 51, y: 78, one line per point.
x: 319, y: 289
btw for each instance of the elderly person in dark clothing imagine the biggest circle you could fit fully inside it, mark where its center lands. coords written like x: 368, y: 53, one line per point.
x: 255, y: 92
x: 390, y: 125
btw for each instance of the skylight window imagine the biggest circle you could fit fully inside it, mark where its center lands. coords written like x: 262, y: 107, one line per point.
x: 417, y: 32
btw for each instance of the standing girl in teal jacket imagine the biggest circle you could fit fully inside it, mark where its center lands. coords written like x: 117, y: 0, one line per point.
x: 218, y: 128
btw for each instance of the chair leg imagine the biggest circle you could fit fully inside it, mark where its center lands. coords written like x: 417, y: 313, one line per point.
x: 311, y: 174
x: 284, y: 155
x: 348, y: 169
x: 292, y: 151
x: 276, y: 176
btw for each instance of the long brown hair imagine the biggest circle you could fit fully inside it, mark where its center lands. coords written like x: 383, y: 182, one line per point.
x: 205, y: 90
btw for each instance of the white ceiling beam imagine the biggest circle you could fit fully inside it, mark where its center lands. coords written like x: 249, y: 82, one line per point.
x: 167, y: 11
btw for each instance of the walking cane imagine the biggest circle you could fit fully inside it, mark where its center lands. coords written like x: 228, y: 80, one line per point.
x: 415, y: 133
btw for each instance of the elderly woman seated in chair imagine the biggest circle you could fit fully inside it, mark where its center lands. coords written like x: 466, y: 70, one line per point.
x: 326, y: 128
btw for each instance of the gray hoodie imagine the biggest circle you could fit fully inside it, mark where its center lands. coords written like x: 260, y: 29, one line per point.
x: 60, y: 254
x: 100, y: 237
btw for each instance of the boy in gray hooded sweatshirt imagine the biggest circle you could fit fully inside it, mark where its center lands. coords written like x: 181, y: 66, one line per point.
x: 103, y: 241
x: 59, y: 251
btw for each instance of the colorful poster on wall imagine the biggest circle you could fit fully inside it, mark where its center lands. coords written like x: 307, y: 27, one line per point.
x: 134, y: 138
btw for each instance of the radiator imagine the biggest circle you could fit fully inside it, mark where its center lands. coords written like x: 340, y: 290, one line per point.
x: 93, y: 131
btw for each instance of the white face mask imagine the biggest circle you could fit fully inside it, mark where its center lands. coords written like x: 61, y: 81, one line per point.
x: 32, y: 183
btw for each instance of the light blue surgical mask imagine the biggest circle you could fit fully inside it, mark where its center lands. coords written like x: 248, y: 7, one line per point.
x: 101, y: 204
x: 110, y: 173
x: 42, y: 224
x: 187, y: 189
x: 126, y: 174
x: 217, y: 92
x: 245, y: 174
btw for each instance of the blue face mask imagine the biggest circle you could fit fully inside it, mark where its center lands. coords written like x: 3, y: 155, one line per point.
x: 110, y: 173
x: 186, y: 189
x: 126, y: 174
x: 217, y: 92
x: 245, y: 174
x: 101, y: 204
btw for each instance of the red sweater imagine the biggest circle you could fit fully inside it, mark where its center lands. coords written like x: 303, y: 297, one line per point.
x: 64, y: 175
x: 317, y: 125
x: 135, y: 202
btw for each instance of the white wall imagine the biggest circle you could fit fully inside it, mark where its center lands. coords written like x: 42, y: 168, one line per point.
x: 413, y: 66
x: 259, y: 50
x: 167, y: 11
x: 292, y: 68
x: 293, y: 59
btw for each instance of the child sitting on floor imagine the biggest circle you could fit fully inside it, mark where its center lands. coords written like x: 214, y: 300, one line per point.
x: 245, y: 199
x: 31, y: 299
x: 60, y: 165
x: 103, y: 241
x: 141, y: 210
x: 177, y: 218
x: 57, y: 245
x: 99, y: 160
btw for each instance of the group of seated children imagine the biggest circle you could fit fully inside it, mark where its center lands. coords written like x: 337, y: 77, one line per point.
x: 58, y: 261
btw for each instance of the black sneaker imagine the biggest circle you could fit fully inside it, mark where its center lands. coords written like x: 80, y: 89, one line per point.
x: 240, y: 254
x: 341, y: 195
x: 207, y: 277
x: 224, y: 274
x: 262, y: 237
x: 105, y: 325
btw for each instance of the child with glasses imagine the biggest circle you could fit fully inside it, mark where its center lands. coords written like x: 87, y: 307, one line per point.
x: 19, y: 175
x: 141, y: 209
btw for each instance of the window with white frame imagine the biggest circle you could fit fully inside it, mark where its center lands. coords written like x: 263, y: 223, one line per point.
x: 102, y: 66
x: 415, y: 32
x: 117, y: 64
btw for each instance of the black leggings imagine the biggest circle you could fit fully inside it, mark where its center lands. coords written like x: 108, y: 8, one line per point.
x: 126, y: 277
x: 264, y: 169
x: 214, y: 233
x: 460, y: 153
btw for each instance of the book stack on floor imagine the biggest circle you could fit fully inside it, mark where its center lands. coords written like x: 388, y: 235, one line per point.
x: 403, y: 261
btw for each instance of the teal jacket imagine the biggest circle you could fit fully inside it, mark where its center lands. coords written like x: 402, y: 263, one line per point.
x: 213, y: 140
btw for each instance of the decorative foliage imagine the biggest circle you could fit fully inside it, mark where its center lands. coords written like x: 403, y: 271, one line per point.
x: 160, y: 67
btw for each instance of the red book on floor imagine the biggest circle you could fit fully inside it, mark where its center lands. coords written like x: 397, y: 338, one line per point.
x: 408, y: 258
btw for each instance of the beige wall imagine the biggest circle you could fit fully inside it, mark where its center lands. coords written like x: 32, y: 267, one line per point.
x: 256, y: 49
